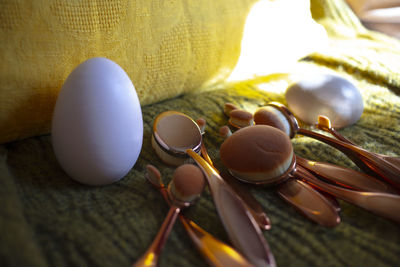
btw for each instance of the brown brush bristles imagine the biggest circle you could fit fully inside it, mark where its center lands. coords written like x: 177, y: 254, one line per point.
x: 264, y: 116
x: 240, y: 118
x: 225, y: 132
x: 258, y: 151
x: 201, y: 122
x: 188, y: 182
x: 153, y: 174
x: 228, y: 107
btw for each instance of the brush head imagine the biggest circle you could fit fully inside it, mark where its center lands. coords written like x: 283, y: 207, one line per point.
x: 173, y: 134
x: 271, y: 116
x: 228, y: 107
x: 201, y: 122
x: 258, y: 154
x: 225, y: 132
x: 187, y: 183
x: 240, y: 118
x: 153, y: 175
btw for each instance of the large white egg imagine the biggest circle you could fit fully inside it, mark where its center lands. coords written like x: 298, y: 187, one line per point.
x: 97, y: 126
x: 327, y: 95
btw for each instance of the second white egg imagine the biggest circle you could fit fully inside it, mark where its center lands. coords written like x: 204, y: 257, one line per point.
x: 327, y: 95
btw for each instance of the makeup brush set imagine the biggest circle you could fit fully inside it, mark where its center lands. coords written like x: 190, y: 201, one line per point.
x: 302, y: 181
x: 260, y: 152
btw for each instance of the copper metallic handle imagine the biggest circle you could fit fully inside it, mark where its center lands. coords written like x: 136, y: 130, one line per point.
x: 383, y: 204
x: 329, y: 129
x: 345, y: 177
x: 217, y: 253
x: 334, y: 202
x: 251, y: 203
x: 205, y: 155
x: 332, y: 131
x: 240, y: 226
x: 372, y: 163
x: 392, y: 160
x: 152, y: 254
x: 301, y: 171
x: 309, y: 202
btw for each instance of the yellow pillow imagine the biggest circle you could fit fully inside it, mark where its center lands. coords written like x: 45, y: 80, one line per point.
x: 166, y: 47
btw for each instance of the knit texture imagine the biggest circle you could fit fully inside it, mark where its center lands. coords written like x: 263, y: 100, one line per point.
x: 166, y: 47
x: 47, y: 219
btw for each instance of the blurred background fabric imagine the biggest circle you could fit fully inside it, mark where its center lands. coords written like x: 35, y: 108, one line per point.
x: 379, y: 15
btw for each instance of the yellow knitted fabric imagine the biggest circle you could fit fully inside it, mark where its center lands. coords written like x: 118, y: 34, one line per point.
x: 166, y: 47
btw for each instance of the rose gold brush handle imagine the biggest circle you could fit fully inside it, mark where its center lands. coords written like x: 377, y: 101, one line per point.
x: 333, y: 200
x: 216, y: 252
x: 205, y: 155
x: 345, y: 177
x: 324, y: 124
x: 392, y: 160
x: 240, y: 226
x: 251, y: 203
x: 383, y: 204
x: 371, y: 163
x: 309, y: 202
x: 152, y: 254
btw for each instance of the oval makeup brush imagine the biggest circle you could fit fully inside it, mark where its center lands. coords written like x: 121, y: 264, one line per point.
x: 216, y: 252
x: 173, y: 131
x: 225, y: 132
x: 240, y: 226
x: 186, y: 185
x: 239, y: 118
x: 324, y: 124
x: 382, y: 167
x: 251, y: 203
x: 383, y: 204
x: 228, y: 107
x: 258, y: 154
x: 262, y: 154
x: 235, y: 215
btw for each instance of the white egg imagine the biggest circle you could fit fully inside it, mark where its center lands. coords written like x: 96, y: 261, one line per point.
x: 327, y: 95
x: 97, y: 126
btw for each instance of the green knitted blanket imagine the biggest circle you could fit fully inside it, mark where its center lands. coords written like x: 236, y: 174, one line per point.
x: 47, y: 219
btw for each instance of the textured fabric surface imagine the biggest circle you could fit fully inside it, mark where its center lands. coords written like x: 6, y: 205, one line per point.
x: 166, y: 47
x: 47, y: 219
